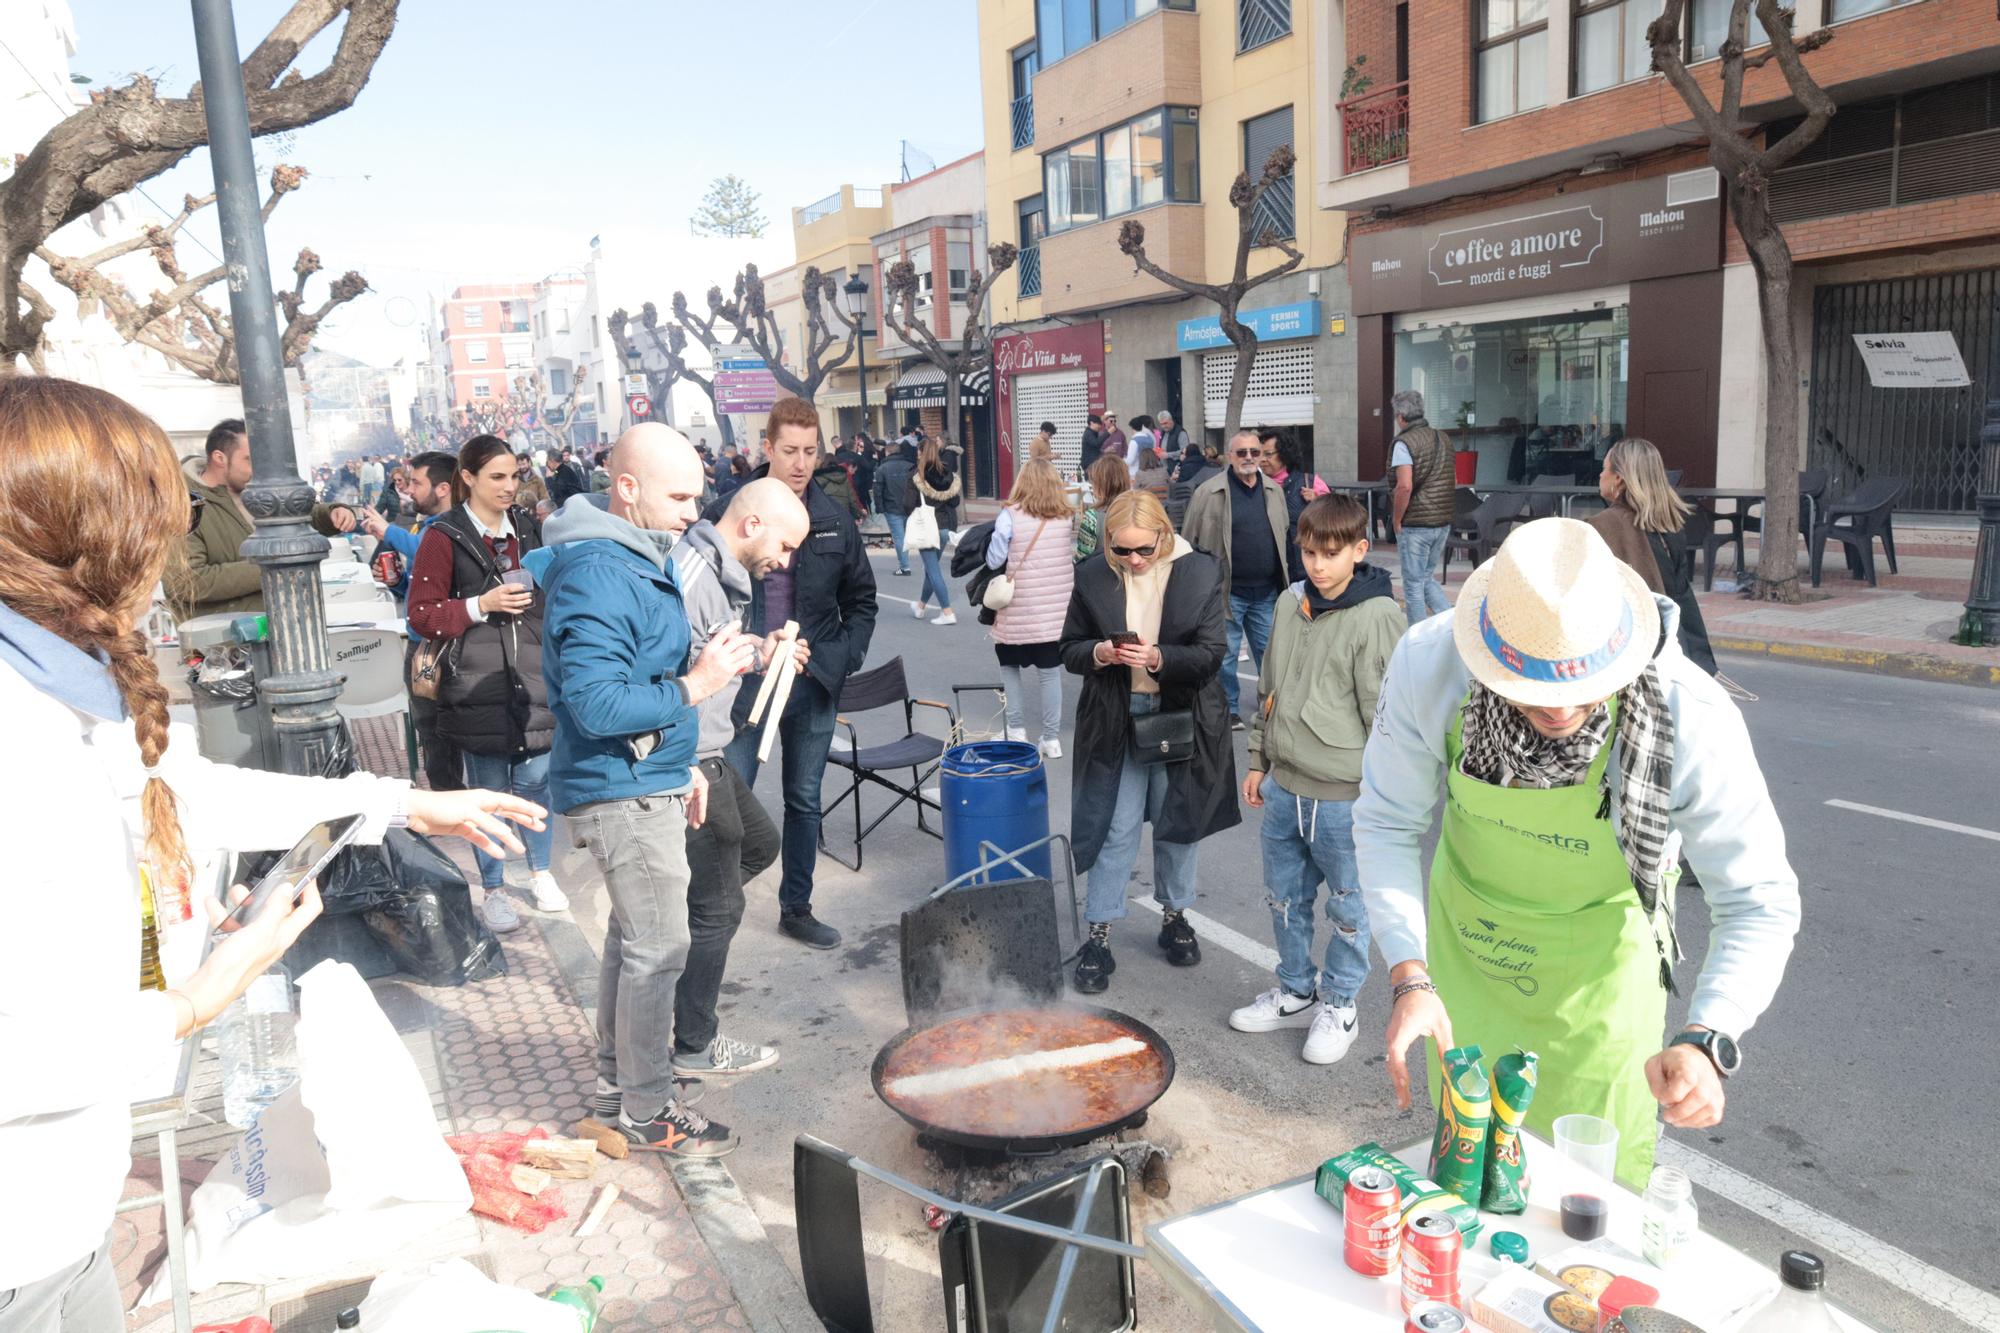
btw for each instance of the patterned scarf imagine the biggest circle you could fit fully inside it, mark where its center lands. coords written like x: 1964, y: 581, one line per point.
x: 1500, y: 747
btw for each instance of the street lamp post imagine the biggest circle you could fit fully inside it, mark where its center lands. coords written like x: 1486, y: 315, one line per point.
x: 1981, y: 625
x: 856, y: 289
x: 302, y: 686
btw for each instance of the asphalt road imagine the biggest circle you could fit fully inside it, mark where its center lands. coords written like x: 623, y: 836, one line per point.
x: 1863, y: 1119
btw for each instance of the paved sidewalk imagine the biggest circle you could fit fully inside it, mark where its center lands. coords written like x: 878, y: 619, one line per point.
x: 513, y: 1053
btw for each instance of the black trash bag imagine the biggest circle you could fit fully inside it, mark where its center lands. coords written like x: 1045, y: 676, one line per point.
x: 410, y: 897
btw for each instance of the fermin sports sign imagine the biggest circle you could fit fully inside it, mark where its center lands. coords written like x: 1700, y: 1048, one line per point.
x: 1912, y: 360
x: 1649, y: 228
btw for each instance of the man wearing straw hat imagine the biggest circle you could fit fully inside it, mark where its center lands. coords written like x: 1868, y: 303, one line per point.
x: 1580, y: 755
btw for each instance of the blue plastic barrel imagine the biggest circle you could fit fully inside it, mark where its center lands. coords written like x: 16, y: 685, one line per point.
x: 997, y: 792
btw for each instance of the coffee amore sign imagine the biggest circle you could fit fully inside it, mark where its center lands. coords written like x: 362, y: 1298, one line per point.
x: 1649, y: 228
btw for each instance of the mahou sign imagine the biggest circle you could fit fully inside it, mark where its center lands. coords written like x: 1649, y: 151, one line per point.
x: 1647, y: 228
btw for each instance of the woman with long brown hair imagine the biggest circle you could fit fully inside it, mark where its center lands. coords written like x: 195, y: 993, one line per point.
x: 92, y: 501
x: 1108, y: 478
x: 1645, y: 524
x: 1031, y: 541
x: 935, y: 482
x: 1145, y: 631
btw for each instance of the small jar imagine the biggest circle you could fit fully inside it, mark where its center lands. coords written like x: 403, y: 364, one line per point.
x: 1669, y: 1222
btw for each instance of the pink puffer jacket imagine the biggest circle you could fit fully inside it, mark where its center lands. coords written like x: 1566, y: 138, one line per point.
x: 1042, y: 581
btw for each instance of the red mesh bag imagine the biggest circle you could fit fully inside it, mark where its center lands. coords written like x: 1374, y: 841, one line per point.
x: 489, y: 1161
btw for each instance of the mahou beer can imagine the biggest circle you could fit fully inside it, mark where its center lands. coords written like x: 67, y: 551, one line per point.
x: 1435, y: 1317
x: 1430, y: 1260
x: 1371, y: 1207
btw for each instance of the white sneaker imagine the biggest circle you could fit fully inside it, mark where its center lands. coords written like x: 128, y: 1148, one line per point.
x: 1051, y: 747
x: 1332, y: 1033
x: 945, y: 618
x: 917, y: 610
x: 1017, y: 733
x: 1275, y: 1008
x: 1243, y: 653
x: 549, y: 896
x: 499, y: 913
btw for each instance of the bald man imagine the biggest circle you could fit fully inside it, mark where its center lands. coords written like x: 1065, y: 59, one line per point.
x: 616, y: 652
x: 714, y: 566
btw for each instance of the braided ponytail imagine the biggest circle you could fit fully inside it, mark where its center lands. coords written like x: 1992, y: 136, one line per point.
x: 92, y: 505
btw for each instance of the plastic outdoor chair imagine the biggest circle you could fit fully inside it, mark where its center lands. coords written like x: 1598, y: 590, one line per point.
x: 1856, y: 522
x: 1480, y: 532
x: 1728, y: 529
x: 885, y: 687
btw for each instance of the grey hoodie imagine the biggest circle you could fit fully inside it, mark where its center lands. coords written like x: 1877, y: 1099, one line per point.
x: 715, y: 589
x: 588, y: 518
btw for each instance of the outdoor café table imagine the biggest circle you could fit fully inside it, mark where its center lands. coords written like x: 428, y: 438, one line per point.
x: 1742, y: 501
x: 1272, y: 1260
x: 1565, y: 495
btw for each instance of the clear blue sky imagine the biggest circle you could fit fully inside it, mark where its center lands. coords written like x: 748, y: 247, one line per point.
x: 497, y: 136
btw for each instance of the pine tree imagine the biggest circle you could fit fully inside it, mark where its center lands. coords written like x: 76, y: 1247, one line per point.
x: 729, y: 209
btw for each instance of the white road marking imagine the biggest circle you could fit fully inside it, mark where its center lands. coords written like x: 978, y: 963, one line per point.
x: 1827, y: 1234
x: 1899, y: 1268
x: 1925, y: 820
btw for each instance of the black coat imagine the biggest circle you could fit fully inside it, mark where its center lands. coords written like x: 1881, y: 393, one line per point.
x: 1201, y: 793
x: 833, y: 593
x: 493, y: 700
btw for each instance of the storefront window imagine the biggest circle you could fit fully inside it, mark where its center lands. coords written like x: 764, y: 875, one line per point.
x: 1538, y: 396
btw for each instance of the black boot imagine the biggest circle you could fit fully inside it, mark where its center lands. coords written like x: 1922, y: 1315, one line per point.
x: 808, y: 930
x: 1177, y: 938
x: 1095, y: 965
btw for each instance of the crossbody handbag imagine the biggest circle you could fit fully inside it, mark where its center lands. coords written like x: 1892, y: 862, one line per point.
x: 436, y: 660
x: 1000, y: 588
x: 1163, y: 738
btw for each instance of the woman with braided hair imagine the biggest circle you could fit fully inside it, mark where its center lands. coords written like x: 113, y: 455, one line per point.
x: 91, y: 502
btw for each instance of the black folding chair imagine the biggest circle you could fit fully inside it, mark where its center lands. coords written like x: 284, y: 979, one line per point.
x: 884, y: 687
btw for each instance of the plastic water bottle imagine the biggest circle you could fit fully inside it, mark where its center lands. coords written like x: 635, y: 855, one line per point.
x: 586, y: 1298
x: 1801, y: 1306
x: 258, y: 1042
x: 1669, y: 1223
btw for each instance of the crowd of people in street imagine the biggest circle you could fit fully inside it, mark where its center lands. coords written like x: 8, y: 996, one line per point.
x: 587, y: 635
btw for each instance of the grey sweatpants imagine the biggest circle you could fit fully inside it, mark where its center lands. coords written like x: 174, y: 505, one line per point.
x: 81, y: 1298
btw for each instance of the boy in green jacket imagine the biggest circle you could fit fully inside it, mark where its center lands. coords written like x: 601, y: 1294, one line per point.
x: 1331, y: 638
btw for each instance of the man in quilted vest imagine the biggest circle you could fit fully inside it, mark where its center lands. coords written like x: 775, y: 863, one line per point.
x: 1424, y: 496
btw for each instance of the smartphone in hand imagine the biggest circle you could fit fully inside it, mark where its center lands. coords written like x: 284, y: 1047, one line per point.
x: 1126, y: 639
x: 299, y: 867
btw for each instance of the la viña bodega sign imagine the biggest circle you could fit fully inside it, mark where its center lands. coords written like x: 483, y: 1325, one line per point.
x: 1517, y: 249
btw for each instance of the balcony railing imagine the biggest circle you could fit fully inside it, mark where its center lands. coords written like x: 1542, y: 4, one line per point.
x: 1023, y: 112
x: 1375, y: 129
x: 1028, y: 268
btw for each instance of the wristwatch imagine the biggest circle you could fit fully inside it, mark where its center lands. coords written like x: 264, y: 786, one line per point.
x: 1721, y: 1049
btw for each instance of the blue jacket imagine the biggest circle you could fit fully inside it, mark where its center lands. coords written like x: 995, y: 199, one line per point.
x: 614, y: 640
x: 404, y: 542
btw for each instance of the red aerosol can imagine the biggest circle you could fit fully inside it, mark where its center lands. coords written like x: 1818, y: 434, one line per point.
x: 1431, y: 1248
x: 1371, y: 1207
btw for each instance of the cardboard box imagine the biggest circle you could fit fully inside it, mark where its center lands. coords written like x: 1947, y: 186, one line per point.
x: 1523, y: 1301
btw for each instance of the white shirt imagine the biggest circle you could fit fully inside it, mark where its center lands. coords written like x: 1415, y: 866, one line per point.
x: 74, y: 1025
x: 495, y: 535
x: 371, y: 475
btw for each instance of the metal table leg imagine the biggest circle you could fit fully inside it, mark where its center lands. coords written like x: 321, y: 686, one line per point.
x: 176, y: 1227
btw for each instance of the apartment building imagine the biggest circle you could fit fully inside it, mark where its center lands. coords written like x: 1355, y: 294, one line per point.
x: 937, y: 222
x: 1102, y: 111
x: 1541, y: 248
x: 486, y: 341
x: 835, y: 234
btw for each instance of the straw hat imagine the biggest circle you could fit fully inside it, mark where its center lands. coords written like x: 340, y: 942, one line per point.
x: 1555, y: 619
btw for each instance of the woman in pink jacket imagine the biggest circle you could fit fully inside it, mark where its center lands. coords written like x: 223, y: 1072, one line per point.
x: 1031, y: 541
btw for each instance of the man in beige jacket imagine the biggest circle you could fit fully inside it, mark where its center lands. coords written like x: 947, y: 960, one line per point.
x: 1239, y: 517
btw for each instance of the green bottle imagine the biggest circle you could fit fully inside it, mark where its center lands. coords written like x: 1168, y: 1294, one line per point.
x: 584, y: 1298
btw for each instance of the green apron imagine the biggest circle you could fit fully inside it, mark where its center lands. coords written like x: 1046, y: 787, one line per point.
x: 1538, y: 941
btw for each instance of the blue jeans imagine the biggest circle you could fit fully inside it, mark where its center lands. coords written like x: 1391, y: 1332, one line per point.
x: 806, y: 734
x: 896, y: 522
x: 1307, y: 843
x: 935, y: 589
x: 1142, y: 794
x: 527, y: 778
x: 1423, y: 595
x: 1253, y: 614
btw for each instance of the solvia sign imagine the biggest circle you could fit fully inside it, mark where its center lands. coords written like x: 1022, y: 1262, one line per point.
x: 1649, y: 228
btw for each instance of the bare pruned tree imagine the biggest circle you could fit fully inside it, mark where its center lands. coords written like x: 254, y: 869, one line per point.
x: 128, y: 135
x: 1244, y: 196
x: 975, y: 346
x: 1746, y: 158
x: 748, y: 316
x: 670, y: 341
x: 180, y: 323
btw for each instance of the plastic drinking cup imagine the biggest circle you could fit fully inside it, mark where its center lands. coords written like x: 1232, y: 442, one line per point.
x: 518, y: 578
x: 1589, y: 1141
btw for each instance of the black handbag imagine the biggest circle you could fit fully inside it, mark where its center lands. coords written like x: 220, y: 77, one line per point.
x: 1163, y: 738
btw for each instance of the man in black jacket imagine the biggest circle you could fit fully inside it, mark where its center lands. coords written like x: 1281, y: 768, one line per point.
x: 891, y: 475
x: 830, y: 592
x: 568, y: 479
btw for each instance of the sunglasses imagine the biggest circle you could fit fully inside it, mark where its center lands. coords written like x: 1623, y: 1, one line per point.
x: 1248, y: 453
x: 1145, y: 551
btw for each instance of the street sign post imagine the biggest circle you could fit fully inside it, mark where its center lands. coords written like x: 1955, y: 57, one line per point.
x: 743, y: 382
x: 640, y: 406
x: 635, y: 384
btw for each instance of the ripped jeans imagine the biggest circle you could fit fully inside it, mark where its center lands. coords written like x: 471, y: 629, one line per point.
x: 1307, y: 843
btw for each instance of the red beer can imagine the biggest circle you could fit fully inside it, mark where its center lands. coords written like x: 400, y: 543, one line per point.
x: 1371, y: 1207
x: 1435, y: 1317
x: 1430, y: 1260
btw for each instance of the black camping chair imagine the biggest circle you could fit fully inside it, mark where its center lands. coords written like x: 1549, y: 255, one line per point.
x: 1481, y: 531
x: 884, y: 687
x: 1856, y: 522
